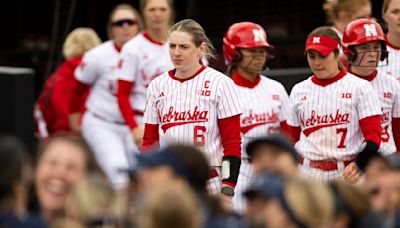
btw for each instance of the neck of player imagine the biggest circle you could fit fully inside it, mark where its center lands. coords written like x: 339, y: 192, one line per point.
x: 158, y: 35
x: 188, y: 71
x: 249, y: 75
x: 363, y: 71
x: 394, y: 39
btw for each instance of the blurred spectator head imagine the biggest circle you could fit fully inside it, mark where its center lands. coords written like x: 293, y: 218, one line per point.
x: 170, y: 206
x: 351, y: 204
x: 274, y: 153
x: 124, y: 22
x: 79, y: 41
x: 292, y: 203
x: 62, y: 162
x: 173, y: 164
x: 157, y: 14
x: 94, y: 203
x: 347, y: 10
x: 15, y: 169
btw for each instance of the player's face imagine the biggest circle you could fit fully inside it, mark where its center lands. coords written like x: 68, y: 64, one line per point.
x: 392, y: 17
x: 125, y: 26
x: 368, y: 55
x: 60, y: 168
x: 184, y: 54
x: 157, y: 15
x: 323, y: 67
x: 253, y: 59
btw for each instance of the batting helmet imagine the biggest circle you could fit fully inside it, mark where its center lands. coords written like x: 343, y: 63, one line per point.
x: 243, y: 35
x: 361, y: 31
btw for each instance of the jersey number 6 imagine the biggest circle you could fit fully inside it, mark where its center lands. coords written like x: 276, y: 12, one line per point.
x: 198, y: 136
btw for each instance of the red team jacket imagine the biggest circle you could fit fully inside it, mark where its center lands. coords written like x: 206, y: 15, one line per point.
x: 55, y: 98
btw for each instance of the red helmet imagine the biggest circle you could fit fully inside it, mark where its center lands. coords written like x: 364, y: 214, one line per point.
x: 243, y: 35
x: 361, y: 31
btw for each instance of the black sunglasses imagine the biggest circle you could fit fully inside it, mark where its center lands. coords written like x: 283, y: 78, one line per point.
x: 121, y: 23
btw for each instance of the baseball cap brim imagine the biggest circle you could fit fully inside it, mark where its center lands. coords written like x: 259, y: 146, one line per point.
x: 324, y: 50
x: 267, y: 185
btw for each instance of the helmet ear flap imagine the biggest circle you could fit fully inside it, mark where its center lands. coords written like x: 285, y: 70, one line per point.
x: 384, y: 53
x: 351, y: 54
x: 238, y: 56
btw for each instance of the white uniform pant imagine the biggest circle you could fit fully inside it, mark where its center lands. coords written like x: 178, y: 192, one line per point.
x: 246, y: 175
x: 112, y: 145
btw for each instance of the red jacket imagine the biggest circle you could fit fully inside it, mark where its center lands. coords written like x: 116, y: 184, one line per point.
x: 54, y: 99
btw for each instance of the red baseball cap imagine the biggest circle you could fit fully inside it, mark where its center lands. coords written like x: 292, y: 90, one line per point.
x: 322, y: 44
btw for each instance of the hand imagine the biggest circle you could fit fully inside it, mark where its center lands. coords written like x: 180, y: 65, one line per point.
x: 73, y: 119
x: 352, y: 174
x: 137, y: 135
x: 226, y: 201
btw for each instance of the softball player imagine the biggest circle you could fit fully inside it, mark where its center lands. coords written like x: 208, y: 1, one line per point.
x: 391, y: 15
x: 335, y: 115
x: 364, y: 44
x: 264, y: 101
x: 197, y: 105
x: 142, y: 59
x: 103, y: 127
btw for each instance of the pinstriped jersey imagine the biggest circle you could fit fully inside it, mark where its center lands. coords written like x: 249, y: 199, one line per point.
x: 142, y: 61
x: 392, y: 67
x: 388, y: 90
x: 97, y: 68
x: 264, y: 106
x: 187, y: 111
x: 329, y: 115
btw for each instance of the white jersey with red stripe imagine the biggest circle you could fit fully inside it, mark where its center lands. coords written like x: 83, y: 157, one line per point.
x: 329, y: 116
x: 143, y: 60
x: 97, y: 68
x: 187, y: 111
x: 392, y: 66
x: 388, y: 90
x: 264, y: 107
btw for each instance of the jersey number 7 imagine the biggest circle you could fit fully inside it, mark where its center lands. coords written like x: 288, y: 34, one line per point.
x: 343, y: 133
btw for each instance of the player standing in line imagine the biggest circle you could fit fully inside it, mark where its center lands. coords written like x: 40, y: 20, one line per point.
x: 144, y: 58
x: 264, y: 101
x: 391, y: 15
x: 364, y: 44
x: 197, y: 105
x: 341, y: 12
x: 103, y: 126
x: 336, y: 116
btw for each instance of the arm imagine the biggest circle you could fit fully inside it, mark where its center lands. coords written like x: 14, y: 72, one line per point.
x: 372, y: 131
x: 231, y: 141
x: 150, y: 137
x: 125, y: 106
x: 77, y: 98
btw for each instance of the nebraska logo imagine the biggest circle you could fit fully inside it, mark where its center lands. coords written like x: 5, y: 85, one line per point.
x: 257, y: 119
x: 174, y: 118
x: 316, y: 122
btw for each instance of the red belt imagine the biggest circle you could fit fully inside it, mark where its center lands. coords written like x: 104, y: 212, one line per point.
x: 324, y: 164
x: 213, y: 173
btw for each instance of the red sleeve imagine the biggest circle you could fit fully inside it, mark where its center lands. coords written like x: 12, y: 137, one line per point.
x: 78, y: 96
x: 230, y: 135
x: 125, y: 106
x: 150, y: 137
x: 371, y: 129
x: 293, y: 133
x: 396, y: 132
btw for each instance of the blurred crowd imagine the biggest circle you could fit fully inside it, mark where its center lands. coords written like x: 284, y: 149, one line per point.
x: 101, y: 161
